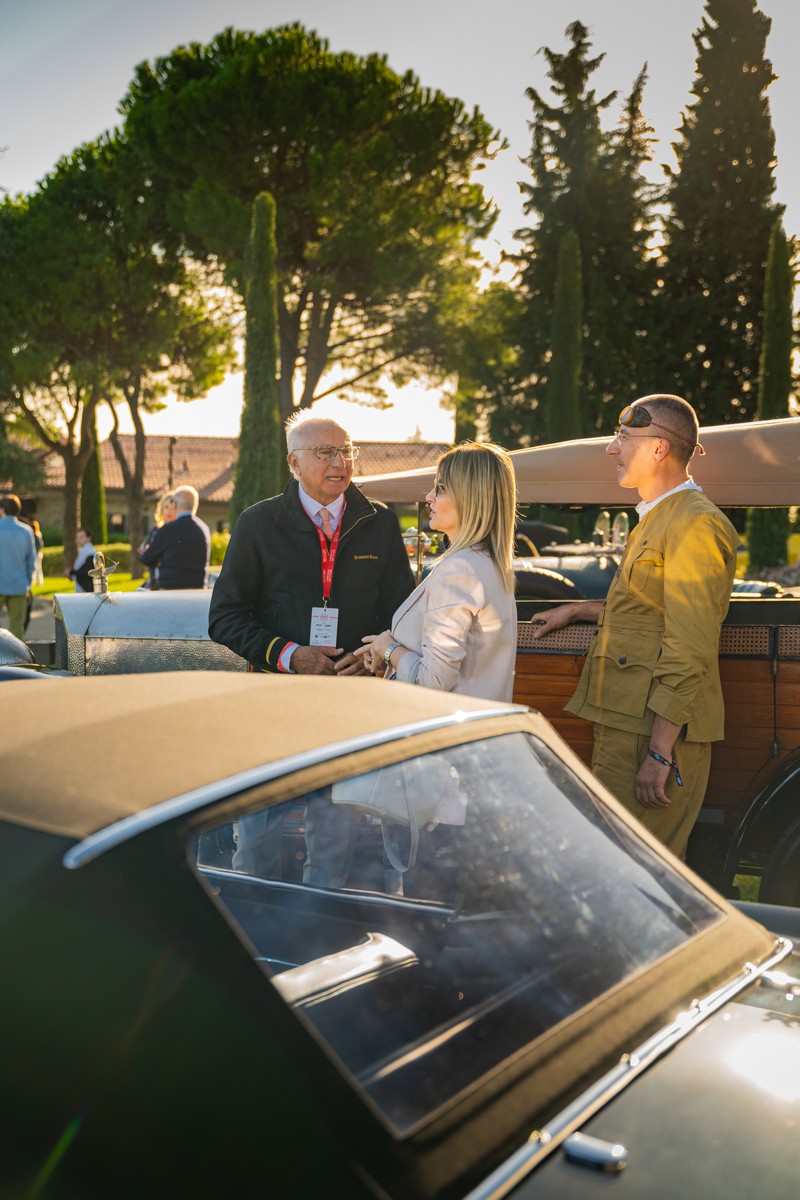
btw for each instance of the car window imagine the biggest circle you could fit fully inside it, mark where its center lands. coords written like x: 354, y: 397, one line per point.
x: 432, y: 919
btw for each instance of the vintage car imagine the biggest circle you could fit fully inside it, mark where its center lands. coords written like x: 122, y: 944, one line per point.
x: 750, y: 822
x: 259, y: 941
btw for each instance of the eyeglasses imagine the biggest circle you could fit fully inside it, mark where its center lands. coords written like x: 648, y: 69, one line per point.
x: 636, y: 416
x: 328, y: 453
x: 622, y: 436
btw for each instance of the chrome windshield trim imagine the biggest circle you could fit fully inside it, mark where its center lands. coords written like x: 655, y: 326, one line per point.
x: 128, y: 827
x: 544, y: 1141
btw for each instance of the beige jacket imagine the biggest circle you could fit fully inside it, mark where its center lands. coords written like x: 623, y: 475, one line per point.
x: 657, y: 644
x: 461, y: 626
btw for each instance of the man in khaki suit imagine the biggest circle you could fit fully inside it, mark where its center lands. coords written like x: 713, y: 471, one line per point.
x: 651, y: 679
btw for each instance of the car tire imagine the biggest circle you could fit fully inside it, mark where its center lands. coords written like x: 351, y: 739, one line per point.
x: 781, y: 882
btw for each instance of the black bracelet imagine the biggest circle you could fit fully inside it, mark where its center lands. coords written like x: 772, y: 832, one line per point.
x: 666, y: 762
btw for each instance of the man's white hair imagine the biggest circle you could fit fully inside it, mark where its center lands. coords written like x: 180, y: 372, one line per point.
x: 186, y: 498
x: 300, y: 429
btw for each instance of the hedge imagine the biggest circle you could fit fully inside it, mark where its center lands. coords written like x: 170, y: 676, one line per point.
x: 120, y: 552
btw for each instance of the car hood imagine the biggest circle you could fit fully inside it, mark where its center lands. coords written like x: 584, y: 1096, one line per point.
x: 716, y: 1117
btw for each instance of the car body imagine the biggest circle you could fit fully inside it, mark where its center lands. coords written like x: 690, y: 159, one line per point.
x: 495, y: 959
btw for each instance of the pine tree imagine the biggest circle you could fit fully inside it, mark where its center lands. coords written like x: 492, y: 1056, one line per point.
x: 768, y: 528
x: 564, y: 381
x: 720, y: 215
x: 587, y: 179
x: 260, y: 471
x: 93, y: 497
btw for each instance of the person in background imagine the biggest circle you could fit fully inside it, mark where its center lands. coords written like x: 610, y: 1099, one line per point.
x: 84, y: 561
x: 180, y: 549
x: 17, y: 563
x: 38, y: 573
x: 651, y: 682
x: 458, y: 630
x: 164, y: 513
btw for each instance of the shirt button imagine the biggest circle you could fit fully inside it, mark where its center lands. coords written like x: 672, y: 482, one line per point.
x: 622, y: 660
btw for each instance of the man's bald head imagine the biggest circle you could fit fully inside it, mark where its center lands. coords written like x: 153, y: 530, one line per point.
x: 673, y: 415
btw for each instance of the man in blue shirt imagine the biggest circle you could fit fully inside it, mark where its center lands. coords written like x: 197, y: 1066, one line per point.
x: 17, y: 563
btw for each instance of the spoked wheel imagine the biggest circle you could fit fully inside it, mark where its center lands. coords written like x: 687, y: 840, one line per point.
x: 781, y: 882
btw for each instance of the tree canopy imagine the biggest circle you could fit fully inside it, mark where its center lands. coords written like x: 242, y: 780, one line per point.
x: 260, y: 469
x: 768, y: 528
x: 563, y: 409
x: 721, y: 211
x: 371, y: 173
x: 587, y: 179
x: 92, y: 311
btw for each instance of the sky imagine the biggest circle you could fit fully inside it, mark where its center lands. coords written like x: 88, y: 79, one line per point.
x: 66, y: 64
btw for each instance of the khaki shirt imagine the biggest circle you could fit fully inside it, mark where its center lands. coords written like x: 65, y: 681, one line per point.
x: 657, y: 644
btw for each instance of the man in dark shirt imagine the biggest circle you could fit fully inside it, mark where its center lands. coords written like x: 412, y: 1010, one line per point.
x: 181, y: 548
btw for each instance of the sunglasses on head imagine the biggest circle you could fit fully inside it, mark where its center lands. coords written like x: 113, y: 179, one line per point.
x: 636, y: 416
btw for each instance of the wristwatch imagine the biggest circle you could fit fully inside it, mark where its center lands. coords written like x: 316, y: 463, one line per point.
x: 388, y: 652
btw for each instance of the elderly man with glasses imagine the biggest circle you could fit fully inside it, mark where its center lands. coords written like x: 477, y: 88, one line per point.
x: 651, y: 680
x: 306, y: 576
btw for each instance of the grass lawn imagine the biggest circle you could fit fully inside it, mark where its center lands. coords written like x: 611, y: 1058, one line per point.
x: 118, y: 582
x: 748, y: 886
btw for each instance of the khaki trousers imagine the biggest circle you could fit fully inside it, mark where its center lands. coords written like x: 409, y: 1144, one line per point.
x: 17, y: 608
x: 617, y: 757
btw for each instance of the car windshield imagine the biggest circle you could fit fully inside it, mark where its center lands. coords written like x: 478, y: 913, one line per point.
x: 432, y: 919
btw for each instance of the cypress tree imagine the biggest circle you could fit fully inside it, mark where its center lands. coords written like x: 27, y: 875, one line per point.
x: 768, y: 528
x: 586, y: 179
x: 93, y: 496
x: 564, y: 381
x: 720, y: 215
x: 260, y: 469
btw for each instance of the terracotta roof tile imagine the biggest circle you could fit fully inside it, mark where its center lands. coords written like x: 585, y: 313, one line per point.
x: 208, y: 463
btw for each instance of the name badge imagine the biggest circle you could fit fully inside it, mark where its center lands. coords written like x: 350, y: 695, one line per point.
x: 324, y: 626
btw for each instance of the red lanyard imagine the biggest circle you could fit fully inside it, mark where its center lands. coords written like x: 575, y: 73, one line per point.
x: 329, y: 557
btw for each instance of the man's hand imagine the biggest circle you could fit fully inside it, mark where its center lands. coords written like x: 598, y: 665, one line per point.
x: 314, y: 660
x: 350, y: 664
x: 566, y: 614
x: 652, y: 776
x: 651, y: 780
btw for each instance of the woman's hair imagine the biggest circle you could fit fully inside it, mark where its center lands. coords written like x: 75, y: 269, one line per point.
x: 479, y: 479
x: 159, y: 513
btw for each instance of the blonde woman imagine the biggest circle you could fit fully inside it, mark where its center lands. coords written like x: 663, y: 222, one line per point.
x: 166, y: 510
x: 458, y: 630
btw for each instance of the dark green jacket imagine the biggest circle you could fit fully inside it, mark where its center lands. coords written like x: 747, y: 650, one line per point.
x: 272, y: 577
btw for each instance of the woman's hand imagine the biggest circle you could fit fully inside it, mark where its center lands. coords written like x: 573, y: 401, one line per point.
x: 374, y: 650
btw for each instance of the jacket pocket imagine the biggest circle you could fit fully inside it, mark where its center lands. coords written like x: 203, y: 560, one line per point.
x: 621, y: 671
x: 643, y: 574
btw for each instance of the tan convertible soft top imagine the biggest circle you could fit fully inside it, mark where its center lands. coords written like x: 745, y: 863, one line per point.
x: 78, y: 754
x: 754, y: 464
